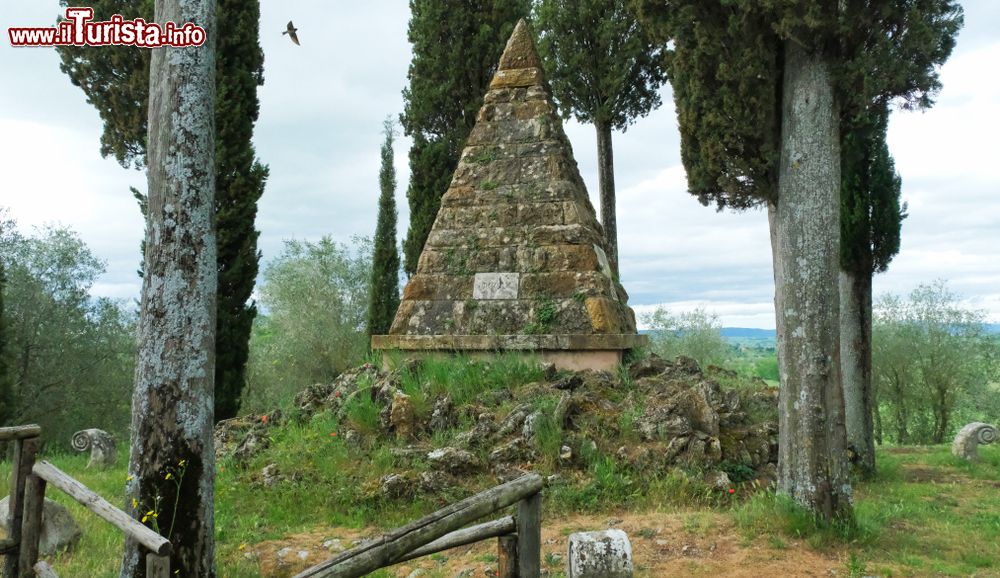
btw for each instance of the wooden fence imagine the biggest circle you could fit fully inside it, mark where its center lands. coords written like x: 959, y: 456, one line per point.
x: 27, y: 498
x: 519, y: 538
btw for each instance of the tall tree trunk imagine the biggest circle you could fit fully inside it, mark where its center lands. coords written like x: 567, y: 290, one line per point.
x: 856, y: 366
x: 172, y: 405
x: 877, y: 415
x: 902, y: 415
x: 812, y: 460
x: 606, y: 183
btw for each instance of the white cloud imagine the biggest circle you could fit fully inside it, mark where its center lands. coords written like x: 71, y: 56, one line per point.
x: 322, y: 108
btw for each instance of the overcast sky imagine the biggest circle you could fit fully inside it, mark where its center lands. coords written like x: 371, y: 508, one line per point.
x: 322, y: 107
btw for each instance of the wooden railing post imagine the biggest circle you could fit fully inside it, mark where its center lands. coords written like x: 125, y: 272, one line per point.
x: 507, y: 556
x: 31, y: 525
x: 157, y: 566
x: 25, y: 450
x: 529, y: 537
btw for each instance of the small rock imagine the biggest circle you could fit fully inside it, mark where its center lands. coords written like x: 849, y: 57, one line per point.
x: 443, y: 416
x: 569, y: 383
x: 281, y: 554
x: 516, y: 450
x: 433, y: 482
x: 505, y: 473
x: 416, y: 573
x: 565, y: 454
x: 270, y: 475
x: 401, y: 415
x: 530, y: 425
x: 465, y: 573
x: 303, y: 554
x: 455, y: 460
x: 718, y: 480
x: 60, y: 530
x: 554, y: 480
x: 255, y: 441
x: 647, y: 367
x: 686, y: 365
x: 352, y: 438
x: 396, y: 485
x: 514, y: 420
x: 334, y: 545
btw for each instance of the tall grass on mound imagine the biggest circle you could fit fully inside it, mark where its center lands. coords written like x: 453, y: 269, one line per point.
x: 463, y: 378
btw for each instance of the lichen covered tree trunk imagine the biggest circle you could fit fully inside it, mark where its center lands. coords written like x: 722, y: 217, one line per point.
x: 812, y: 462
x: 172, y: 463
x: 606, y: 184
x: 856, y: 366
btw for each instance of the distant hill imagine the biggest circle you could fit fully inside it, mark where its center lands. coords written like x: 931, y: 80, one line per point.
x: 744, y: 332
x: 993, y: 328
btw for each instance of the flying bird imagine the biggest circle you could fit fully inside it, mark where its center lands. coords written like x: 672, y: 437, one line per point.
x: 291, y: 33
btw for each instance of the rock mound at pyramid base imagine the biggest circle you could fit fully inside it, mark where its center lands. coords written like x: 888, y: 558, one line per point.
x: 570, y: 352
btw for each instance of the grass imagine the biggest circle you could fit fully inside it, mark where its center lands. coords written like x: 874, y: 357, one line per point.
x: 926, y: 513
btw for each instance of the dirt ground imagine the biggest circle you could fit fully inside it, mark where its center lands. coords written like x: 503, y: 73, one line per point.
x: 675, y: 544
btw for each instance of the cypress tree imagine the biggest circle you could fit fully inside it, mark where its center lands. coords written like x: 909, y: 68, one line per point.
x: 239, y: 183
x: 116, y: 82
x: 762, y: 93
x: 604, y: 68
x: 384, y: 292
x: 456, y: 47
x: 871, y: 216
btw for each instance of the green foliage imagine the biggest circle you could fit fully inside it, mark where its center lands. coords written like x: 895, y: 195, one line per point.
x: 602, y: 64
x: 464, y: 379
x: 870, y: 209
x: 239, y: 184
x: 116, y: 82
x: 767, y: 368
x: 932, y: 366
x: 362, y: 414
x: 315, y: 296
x: 696, y: 334
x: 7, y: 401
x: 905, y: 524
x: 75, y: 354
x: 724, y: 69
x: 456, y: 47
x: 384, y: 297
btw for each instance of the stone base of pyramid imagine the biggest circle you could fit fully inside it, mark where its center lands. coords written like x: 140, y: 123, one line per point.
x: 571, y: 352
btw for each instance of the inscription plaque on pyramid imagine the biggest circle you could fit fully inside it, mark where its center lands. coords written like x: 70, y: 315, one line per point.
x: 515, y: 259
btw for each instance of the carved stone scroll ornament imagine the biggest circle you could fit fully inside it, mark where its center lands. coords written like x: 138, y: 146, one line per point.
x: 100, y: 443
x: 970, y: 437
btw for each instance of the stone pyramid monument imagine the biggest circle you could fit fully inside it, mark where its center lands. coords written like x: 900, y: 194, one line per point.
x: 516, y: 259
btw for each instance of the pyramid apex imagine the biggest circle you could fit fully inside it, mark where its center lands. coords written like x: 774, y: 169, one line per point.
x: 520, y: 51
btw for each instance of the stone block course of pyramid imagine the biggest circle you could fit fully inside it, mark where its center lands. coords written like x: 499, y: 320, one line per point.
x: 515, y: 259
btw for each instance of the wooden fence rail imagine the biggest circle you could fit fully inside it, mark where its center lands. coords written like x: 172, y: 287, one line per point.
x: 441, y: 530
x: 27, y: 501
